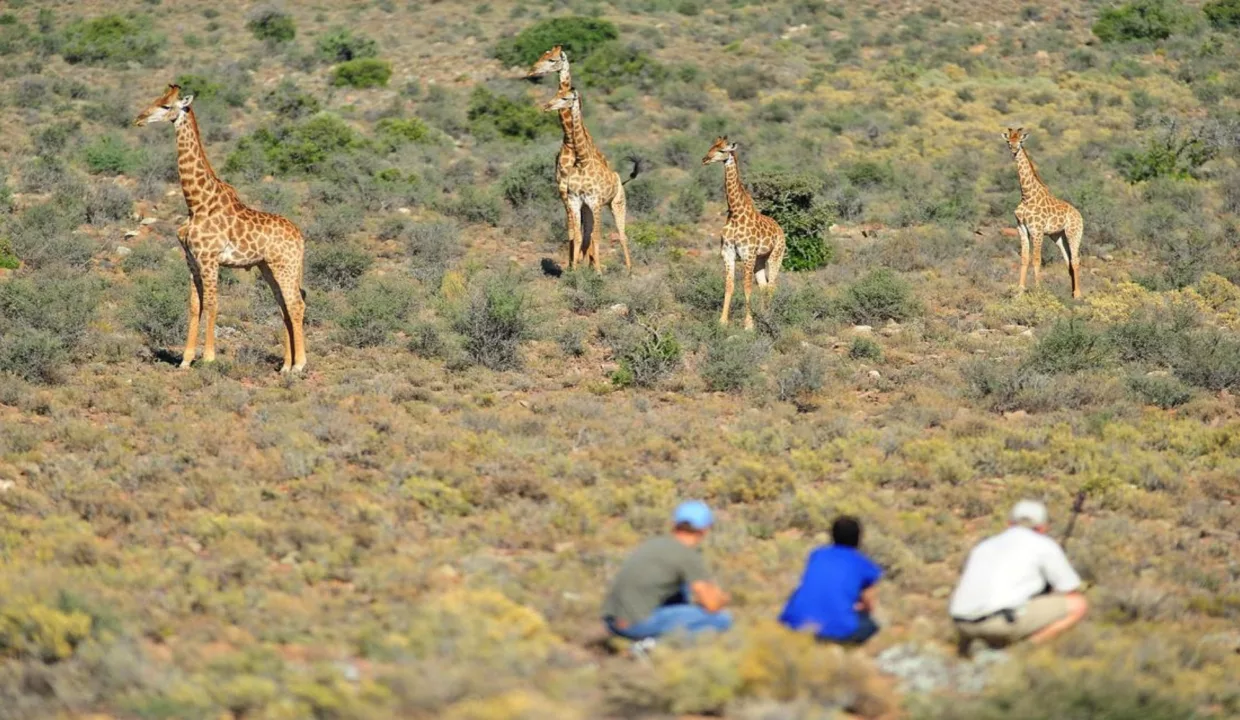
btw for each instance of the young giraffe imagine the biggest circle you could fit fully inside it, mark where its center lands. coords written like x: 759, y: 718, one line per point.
x: 1039, y: 214
x: 589, y: 182
x: 748, y: 234
x: 222, y: 231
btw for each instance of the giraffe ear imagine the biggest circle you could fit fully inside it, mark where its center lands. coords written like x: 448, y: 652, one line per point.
x: 184, y: 102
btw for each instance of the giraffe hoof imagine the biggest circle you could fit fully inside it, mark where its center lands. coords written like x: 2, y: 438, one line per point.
x: 298, y: 368
x: 185, y: 364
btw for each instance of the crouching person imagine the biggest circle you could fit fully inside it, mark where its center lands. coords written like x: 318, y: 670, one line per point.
x: 837, y: 595
x: 1017, y: 585
x: 663, y: 586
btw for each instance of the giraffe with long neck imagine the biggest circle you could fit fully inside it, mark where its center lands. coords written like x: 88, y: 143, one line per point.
x: 223, y: 232
x: 589, y: 184
x: 555, y: 60
x: 757, y: 240
x: 1040, y: 214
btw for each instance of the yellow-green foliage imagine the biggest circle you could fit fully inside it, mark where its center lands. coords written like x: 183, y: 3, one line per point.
x: 31, y: 629
x: 1033, y: 307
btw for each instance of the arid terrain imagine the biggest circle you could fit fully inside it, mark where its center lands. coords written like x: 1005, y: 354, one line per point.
x: 424, y: 522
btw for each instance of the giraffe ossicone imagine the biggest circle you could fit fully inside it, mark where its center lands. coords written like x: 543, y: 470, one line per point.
x: 223, y: 232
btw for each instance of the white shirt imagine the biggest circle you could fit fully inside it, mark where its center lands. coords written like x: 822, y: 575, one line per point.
x: 1004, y: 571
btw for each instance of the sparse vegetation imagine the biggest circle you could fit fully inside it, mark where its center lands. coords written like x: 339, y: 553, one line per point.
x: 579, y: 36
x: 366, y: 72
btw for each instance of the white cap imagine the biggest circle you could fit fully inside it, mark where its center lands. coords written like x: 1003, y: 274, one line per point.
x: 1030, y: 511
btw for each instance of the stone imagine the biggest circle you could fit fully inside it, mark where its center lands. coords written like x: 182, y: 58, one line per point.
x: 148, y: 221
x: 7, y: 485
x: 618, y: 309
x: 403, y: 210
x: 131, y: 233
x: 875, y: 374
x: 122, y: 250
x: 862, y: 329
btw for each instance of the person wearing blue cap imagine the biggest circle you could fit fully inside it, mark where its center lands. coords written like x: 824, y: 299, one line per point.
x: 664, y: 586
x: 836, y: 597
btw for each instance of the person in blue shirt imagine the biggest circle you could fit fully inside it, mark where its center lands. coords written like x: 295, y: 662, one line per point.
x: 836, y: 597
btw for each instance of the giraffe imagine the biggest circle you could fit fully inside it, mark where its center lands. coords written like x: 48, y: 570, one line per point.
x: 1039, y: 214
x: 222, y: 232
x: 747, y: 234
x: 589, y: 183
x: 555, y: 60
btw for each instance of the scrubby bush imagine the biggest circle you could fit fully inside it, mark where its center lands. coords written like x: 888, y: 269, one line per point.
x: 62, y: 303
x: 530, y: 181
x: 1162, y: 391
x: 398, y: 132
x: 1223, y: 14
x: 376, y: 309
x: 864, y: 348
x: 8, y: 258
x: 108, y: 203
x: 879, y: 296
x: 493, y: 116
x: 111, y: 39
x: 733, y: 362
x: 1069, y: 347
x: 1140, y: 20
x: 336, y: 266
x: 798, y: 381
x: 585, y: 291
x: 295, y: 148
x: 362, y: 73
x: 44, y: 235
x: 432, y: 246
x: 342, y: 45
x: 290, y: 102
x: 477, y: 205
x: 613, y: 65
x: 495, y: 322
x: 792, y: 200
x: 110, y: 155
x: 1208, y: 358
x: 146, y: 255
x: 158, y: 306
x: 646, y: 356
x: 272, y: 25
x: 31, y: 354
x: 579, y: 36
x: 1172, y: 152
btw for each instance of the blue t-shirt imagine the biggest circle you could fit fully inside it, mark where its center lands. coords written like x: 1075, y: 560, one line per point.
x: 834, y: 578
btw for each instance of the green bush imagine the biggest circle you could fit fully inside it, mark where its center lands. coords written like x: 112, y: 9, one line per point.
x: 398, y: 132
x: 646, y: 360
x: 579, y: 36
x: 792, y: 201
x: 108, y: 203
x: 1223, y: 14
x: 290, y: 102
x: 112, y: 156
x: 362, y: 73
x: 799, y: 380
x: 112, y: 40
x: 432, y: 247
x: 377, y: 308
x: 585, y: 291
x: 1069, y: 347
x: 493, y: 116
x: 272, y: 25
x: 1169, y: 154
x: 531, y: 181
x: 864, y: 348
x: 474, y: 204
x: 296, y: 148
x: 31, y: 354
x: 342, y: 45
x: 612, y: 65
x: 495, y: 322
x: 232, y: 88
x: 879, y: 296
x: 158, y: 308
x: 1161, y: 391
x: 146, y: 255
x: 8, y: 258
x: 733, y: 362
x: 62, y: 303
x: 45, y: 235
x: 1140, y: 20
x: 1208, y: 358
x: 336, y: 266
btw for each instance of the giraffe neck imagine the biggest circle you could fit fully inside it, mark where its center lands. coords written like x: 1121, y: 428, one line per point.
x: 1031, y: 185
x: 568, y: 157
x: 583, y: 144
x: 199, y: 182
x: 739, y: 200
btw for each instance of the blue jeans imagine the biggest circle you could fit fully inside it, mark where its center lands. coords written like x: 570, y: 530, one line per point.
x: 690, y: 618
x: 866, y: 629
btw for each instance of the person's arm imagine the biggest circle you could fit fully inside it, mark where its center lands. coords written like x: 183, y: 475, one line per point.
x: 1058, y: 571
x: 869, y: 600
x: 709, y: 596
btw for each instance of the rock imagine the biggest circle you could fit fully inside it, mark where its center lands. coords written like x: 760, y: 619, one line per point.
x: 618, y: 309
x: 122, y: 250
x: 1157, y: 373
x: 6, y: 485
x: 403, y: 210
x: 977, y: 49
x: 1015, y: 415
x: 348, y: 670
x: 862, y: 329
x: 875, y: 374
x: 1027, y: 333
x: 131, y: 233
x: 148, y: 221
x: 891, y: 328
x: 1012, y: 329
x: 172, y: 193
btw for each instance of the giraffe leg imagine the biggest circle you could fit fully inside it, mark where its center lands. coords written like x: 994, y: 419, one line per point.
x: 747, y: 280
x: 1037, y: 260
x: 289, y: 278
x: 287, y: 335
x: 210, y: 273
x: 195, y: 310
x: 1074, y: 258
x: 774, y: 264
x: 591, y: 232
x: 729, y: 272
x: 619, y: 205
x: 573, y: 207
x: 1024, y: 252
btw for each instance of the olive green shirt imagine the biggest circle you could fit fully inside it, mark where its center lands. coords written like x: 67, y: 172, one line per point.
x: 654, y: 573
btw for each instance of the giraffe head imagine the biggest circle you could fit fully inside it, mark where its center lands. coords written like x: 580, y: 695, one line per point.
x: 1015, y: 139
x: 170, y: 107
x: 564, y: 99
x: 721, y: 151
x: 552, y: 61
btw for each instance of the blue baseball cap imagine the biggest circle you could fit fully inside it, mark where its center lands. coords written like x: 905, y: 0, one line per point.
x: 694, y: 513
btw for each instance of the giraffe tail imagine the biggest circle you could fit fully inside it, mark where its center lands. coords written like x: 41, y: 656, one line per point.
x: 637, y: 168
x: 587, y: 229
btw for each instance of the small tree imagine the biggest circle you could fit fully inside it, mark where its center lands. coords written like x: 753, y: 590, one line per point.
x: 272, y: 25
x: 792, y: 200
x: 362, y: 73
x: 1223, y: 14
x: 579, y: 36
x: 1140, y: 20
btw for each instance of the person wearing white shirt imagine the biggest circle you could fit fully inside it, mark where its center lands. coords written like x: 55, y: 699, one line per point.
x: 1017, y: 585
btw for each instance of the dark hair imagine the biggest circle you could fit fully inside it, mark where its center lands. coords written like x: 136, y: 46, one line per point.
x: 846, y: 531
x: 686, y: 527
